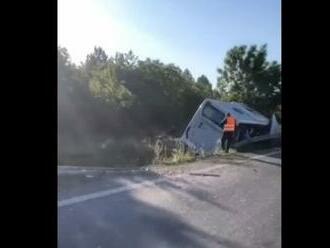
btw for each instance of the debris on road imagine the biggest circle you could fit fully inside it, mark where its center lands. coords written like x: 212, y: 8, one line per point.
x: 204, y: 174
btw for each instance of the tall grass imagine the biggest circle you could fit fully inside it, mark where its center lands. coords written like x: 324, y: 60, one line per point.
x: 171, y: 153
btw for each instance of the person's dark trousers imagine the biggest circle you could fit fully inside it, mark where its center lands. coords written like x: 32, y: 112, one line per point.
x: 226, y: 140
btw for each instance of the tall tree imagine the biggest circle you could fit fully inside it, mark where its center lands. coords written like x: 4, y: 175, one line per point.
x: 203, y: 80
x: 105, y: 85
x: 204, y: 86
x: 248, y: 77
x: 96, y: 60
x: 125, y: 60
x: 188, y: 76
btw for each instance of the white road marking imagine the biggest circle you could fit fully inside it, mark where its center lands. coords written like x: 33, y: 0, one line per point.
x: 72, y: 170
x: 104, y: 193
x: 266, y: 158
x: 131, y: 186
x: 265, y: 155
x: 270, y: 160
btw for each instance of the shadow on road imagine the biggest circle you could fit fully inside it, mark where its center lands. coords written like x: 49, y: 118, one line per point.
x: 268, y: 162
x: 196, y: 193
x: 122, y: 220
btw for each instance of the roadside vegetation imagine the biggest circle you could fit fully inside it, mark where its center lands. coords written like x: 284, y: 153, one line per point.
x: 113, y: 109
x: 171, y: 152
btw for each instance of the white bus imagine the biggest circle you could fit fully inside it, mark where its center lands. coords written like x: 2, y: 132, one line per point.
x: 204, y: 131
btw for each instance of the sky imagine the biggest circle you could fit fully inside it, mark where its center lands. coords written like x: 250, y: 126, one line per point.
x: 193, y: 34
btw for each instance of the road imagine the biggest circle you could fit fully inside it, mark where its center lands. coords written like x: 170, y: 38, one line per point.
x: 236, y: 205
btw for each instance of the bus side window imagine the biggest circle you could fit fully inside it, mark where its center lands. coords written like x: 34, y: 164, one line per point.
x: 213, y: 114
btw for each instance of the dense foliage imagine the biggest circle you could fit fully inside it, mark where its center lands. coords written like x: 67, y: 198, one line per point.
x: 122, y: 97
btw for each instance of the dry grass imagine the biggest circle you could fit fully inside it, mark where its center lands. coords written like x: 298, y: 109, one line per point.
x: 171, y: 154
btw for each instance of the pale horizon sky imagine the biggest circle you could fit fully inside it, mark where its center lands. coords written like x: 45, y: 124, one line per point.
x: 193, y: 34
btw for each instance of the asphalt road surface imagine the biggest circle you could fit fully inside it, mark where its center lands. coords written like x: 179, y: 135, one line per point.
x: 236, y: 204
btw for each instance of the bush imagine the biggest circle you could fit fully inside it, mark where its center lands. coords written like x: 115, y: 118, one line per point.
x: 111, y: 152
x: 170, y: 151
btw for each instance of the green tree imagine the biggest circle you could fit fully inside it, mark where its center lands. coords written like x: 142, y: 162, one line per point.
x: 204, y: 86
x: 105, y: 85
x: 95, y: 61
x: 103, y: 90
x: 203, y: 80
x: 248, y: 77
x: 188, y: 76
x: 73, y: 99
x: 64, y: 69
x: 125, y: 60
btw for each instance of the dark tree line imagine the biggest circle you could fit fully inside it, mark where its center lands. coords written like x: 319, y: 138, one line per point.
x: 123, y: 96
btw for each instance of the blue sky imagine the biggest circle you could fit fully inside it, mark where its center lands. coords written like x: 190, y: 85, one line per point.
x: 193, y: 34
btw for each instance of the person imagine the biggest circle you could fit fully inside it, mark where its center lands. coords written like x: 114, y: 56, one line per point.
x: 230, y: 125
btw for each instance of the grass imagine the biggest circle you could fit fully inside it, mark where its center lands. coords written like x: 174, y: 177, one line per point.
x: 171, y: 153
x: 112, y: 153
x: 126, y: 152
x: 178, y: 157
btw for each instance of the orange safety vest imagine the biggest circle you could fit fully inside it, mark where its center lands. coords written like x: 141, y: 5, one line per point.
x: 230, y: 125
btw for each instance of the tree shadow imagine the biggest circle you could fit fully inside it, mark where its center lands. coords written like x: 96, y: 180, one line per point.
x: 268, y: 162
x: 197, y: 193
x: 122, y: 220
